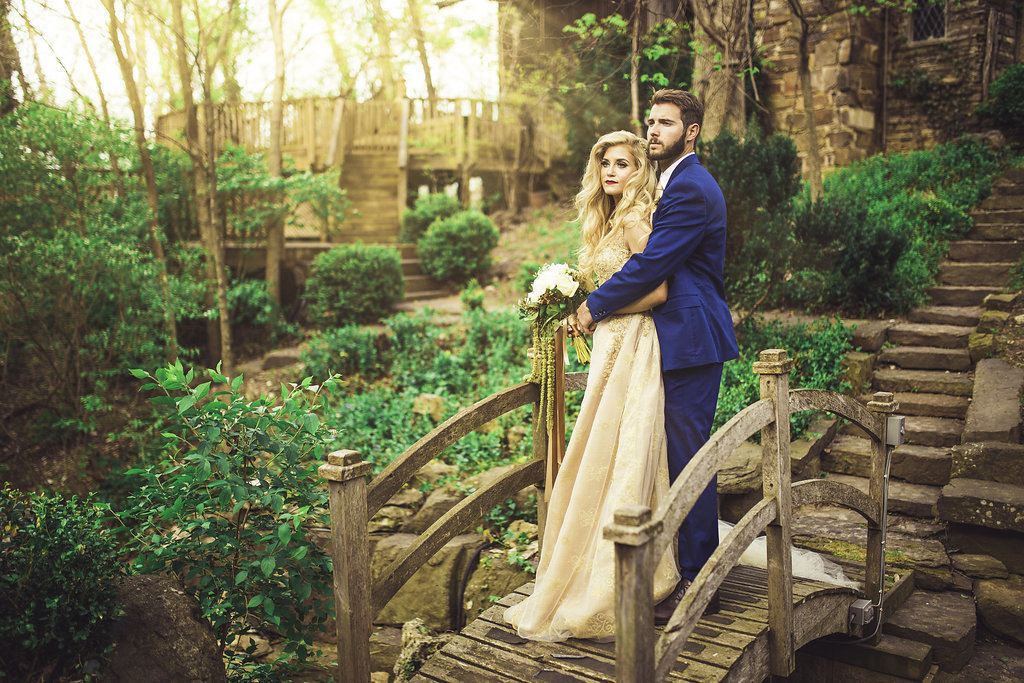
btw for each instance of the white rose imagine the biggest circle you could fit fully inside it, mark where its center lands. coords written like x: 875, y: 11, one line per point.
x: 567, y: 284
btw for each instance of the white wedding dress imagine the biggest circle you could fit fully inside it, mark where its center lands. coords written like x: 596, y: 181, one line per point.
x: 617, y: 456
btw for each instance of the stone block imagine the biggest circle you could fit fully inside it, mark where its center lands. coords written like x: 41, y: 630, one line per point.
x: 438, y: 502
x: 491, y: 578
x: 946, y: 621
x: 869, y: 336
x: 1000, y: 302
x: 983, y: 503
x: 1001, y: 605
x: 282, y: 358
x: 431, y: 473
x: 992, y: 321
x: 994, y: 413
x: 981, y: 346
x: 979, y: 566
x: 860, y: 119
x: 989, y: 461
x: 429, y: 593
x: 891, y: 657
x: 1005, y: 546
x: 429, y: 404
x: 390, y: 518
x: 741, y: 472
x: 857, y: 367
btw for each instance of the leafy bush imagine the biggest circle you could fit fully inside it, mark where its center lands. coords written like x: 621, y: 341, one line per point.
x: 427, y: 209
x: 818, y: 349
x: 232, y: 507
x: 251, y: 304
x: 759, y: 177
x: 458, y: 248
x: 354, y: 283
x: 347, y: 351
x: 1005, y: 103
x: 57, y: 571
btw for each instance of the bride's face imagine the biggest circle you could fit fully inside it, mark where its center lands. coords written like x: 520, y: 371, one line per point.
x: 617, y: 166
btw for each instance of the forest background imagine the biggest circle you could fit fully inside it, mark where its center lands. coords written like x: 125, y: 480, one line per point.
x: 105, y: 304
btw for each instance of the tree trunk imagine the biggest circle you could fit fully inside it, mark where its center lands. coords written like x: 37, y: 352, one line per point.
x: 275, y: 231
x: 381, y: 26
x: 148, y: 172
x: 803, y: 28
x: 634, y: 70
x: 205, y: 187
x: 721, y: 41
x: 421, y: 47
x: 10, y: 63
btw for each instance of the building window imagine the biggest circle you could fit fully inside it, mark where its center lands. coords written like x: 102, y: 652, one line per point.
x: 928, y: 20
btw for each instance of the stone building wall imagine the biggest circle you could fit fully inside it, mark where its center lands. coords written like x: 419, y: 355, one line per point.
x: 934, y: 84
x: 845, y: 66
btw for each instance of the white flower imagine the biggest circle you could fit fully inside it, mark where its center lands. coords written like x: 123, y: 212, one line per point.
x: 553, y: 277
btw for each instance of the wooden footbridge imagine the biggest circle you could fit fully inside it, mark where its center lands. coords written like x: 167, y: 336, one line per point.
x: 765, y: 615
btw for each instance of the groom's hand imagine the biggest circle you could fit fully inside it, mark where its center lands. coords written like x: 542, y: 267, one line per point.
x: 585, y: 320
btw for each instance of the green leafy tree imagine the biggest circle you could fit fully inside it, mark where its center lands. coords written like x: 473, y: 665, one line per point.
x: 232, y: 507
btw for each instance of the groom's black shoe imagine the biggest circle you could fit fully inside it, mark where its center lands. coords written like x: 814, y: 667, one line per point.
x: 664, y: 609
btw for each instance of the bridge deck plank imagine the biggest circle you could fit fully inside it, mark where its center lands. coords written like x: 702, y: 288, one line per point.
x: 729, y: 645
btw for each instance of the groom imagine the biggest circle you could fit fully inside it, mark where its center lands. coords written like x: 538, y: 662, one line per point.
x: 687, y: 248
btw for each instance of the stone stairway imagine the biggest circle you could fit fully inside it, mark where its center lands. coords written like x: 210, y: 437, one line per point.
x: 418, y: 285
x: 945, y: 496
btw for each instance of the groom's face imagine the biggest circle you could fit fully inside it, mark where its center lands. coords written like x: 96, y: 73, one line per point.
x: 666, y: 135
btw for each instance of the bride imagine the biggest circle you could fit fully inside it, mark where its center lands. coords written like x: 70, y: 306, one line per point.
x: 617, y: 455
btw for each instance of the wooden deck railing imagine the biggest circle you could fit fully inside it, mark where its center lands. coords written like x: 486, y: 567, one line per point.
x: 640, y: 537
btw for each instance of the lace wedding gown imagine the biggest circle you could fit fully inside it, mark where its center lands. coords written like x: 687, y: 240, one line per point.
x: 617, y: 456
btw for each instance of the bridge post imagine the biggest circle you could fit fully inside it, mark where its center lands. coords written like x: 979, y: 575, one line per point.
x: 345, y: 473
x: 633, y: 533
x: 882, y: 404
x: 773, y: 366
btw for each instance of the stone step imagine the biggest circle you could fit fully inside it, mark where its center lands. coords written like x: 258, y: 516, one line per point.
x: 997, y: 216
x: 958, y: 295
x: 975, y: 274
x: 1002, y: 201
x: 912, y: 463
x: 924, y: 334
x: 407, y: 250
x: 927, y: 381
x: 411, y: 266
x: 427, y: 294
x: 982, y: 503
x: 991, y: 251
x: 926, y: 358
x: 916, y: 500
x: 419, y: 283
x: 891, y: 659
x: 958, y: 316
x: 995, y: 413
x: 944, y: 620
x: 996, y: 231
x: 1012, y: 176
x: 933, y: 431
x: 989, y: 461
x: 932, y: 405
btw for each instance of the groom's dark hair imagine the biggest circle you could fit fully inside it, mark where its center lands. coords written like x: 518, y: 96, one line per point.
x: 691, y: 110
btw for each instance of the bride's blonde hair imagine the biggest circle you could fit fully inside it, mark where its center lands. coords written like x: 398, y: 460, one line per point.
x: 599, y: 215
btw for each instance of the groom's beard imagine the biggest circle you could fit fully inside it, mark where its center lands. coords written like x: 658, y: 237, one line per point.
x: 673, y: 152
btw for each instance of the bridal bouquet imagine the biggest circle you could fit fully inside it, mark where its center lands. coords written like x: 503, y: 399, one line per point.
x: 557, y: 291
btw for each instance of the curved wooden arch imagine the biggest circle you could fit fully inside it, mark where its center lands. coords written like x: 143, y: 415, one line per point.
x: 705, y: 464
x: 837, y: 493
x: 447, y: 527
x: 401, y: 469
x: 707, y: 581
x: 844, y: 406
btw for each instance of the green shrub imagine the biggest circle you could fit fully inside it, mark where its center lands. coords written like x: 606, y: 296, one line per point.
x: 57, y: 572
x: 348, y: 351
x: 231, y: 509
x: 251, y: 304
x: 1005, y: 103
x: 427, y: 209
x: 458, y: 248
x: 354, y: 283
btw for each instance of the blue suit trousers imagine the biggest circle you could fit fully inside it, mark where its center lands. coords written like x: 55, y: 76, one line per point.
x: 691, y: 396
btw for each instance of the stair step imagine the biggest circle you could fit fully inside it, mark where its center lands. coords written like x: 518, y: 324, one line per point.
x: 411, y: 266
x: 927, y: 381
x: 916, y: 500
x: 1012, y: 176
x: 932, y: 405
x: 995, y: 413
x: 945, y: 620
x: 914, y: 464
x: 1003, y: 201
x: 982, y: 503
x: 926, y: 358
x: 958, y: 316
x: 407, y: 250
x: 950, y: 295
x: 892, y: 656
x: 993, y: 216
x: 975, y: 274
x: 992, y: 251
x: 922, y: 430
x: 924, y: 334
x: 996, y: 231
x: 427, y: 294
x: 419, y: 283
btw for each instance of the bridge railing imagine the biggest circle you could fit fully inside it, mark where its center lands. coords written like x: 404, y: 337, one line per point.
x: 641, y: 537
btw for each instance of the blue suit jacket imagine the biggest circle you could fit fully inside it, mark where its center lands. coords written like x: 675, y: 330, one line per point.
x: 686, y: 248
